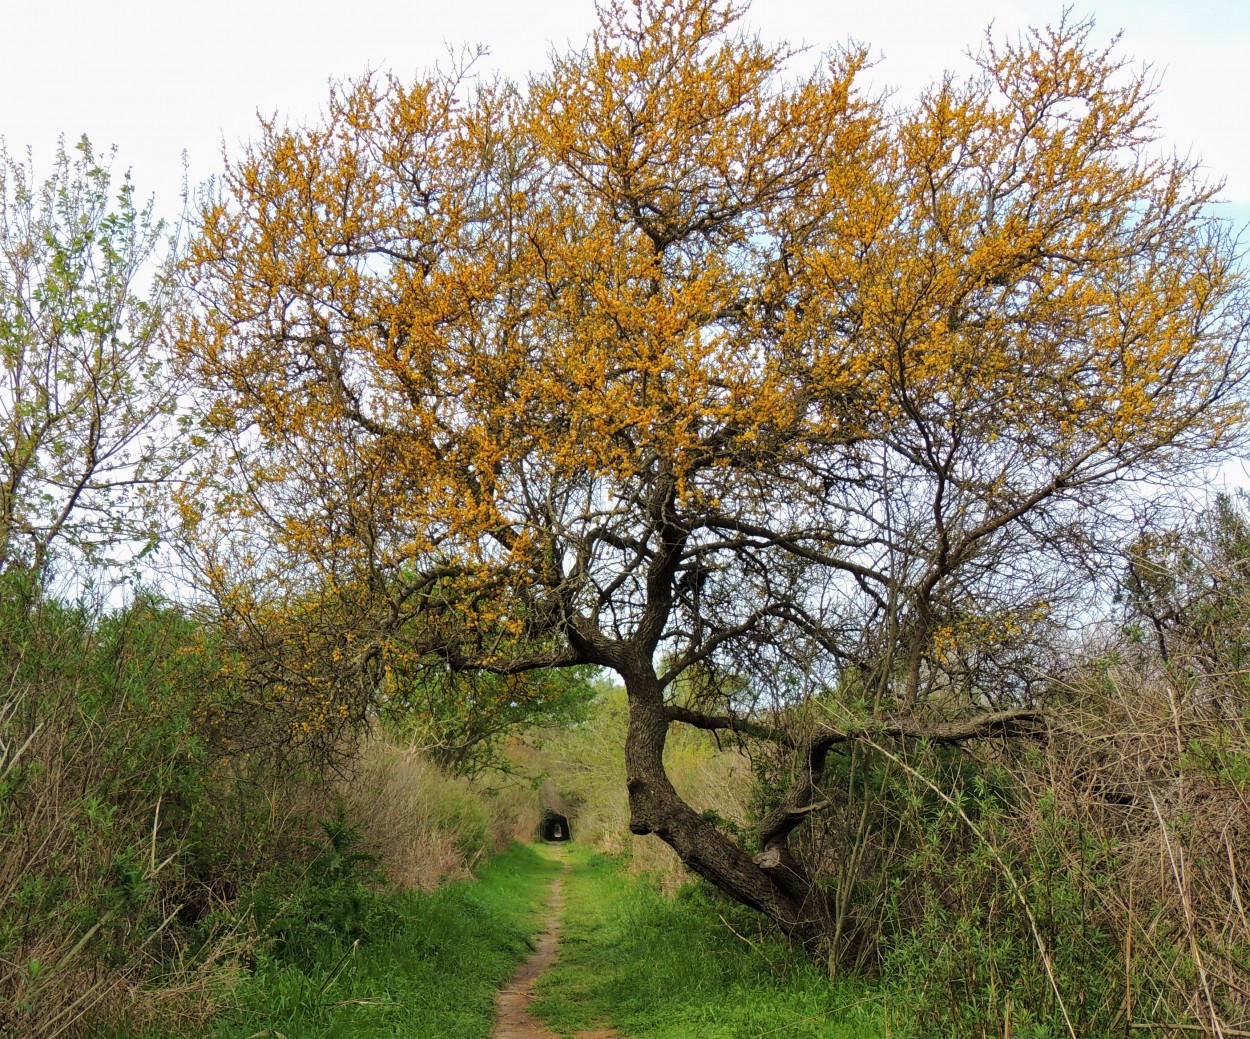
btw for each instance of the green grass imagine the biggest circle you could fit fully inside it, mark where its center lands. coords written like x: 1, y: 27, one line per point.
x: 652, y: 967
x: 660, y: 969
x: 432, y: 971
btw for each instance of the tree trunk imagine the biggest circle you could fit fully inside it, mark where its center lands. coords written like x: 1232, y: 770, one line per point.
x: 770, y: 883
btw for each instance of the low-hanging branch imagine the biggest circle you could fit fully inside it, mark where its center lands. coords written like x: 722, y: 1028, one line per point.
x: 1019, y: 722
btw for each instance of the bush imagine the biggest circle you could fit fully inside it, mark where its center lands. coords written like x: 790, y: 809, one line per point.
x: 1069, y: 888
x: 102, y: 775
x: 1007, y: 937
x: 335, y: 900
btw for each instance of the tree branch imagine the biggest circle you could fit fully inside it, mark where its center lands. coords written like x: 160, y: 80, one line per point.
x: 567, y: 657
x: 724, y: 722
x: 1022, y: 721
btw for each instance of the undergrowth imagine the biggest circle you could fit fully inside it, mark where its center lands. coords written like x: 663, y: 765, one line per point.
x: 412, y: 963
x: 145, y: 867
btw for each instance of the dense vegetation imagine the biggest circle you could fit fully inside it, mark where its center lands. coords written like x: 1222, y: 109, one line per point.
x: 832, y: 432
x: 147, y: 873
x: 1094, y: 878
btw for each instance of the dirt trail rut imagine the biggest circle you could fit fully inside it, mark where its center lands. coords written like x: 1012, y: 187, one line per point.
x: 514, y: 1020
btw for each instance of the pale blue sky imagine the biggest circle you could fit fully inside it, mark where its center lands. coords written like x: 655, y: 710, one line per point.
x: 157, y: 77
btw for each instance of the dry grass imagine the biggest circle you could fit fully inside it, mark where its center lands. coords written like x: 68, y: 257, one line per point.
x: 427, y: 827
x: 1158, y: 767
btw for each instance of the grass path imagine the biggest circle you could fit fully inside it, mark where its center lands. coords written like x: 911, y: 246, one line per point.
x: 695, y: 967
x: 514, y: 1020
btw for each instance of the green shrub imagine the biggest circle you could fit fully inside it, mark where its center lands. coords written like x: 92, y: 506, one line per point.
x: 1005, y: 938
x: 310, y: 914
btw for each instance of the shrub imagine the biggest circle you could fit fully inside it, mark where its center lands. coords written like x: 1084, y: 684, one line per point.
x: 102, y: 772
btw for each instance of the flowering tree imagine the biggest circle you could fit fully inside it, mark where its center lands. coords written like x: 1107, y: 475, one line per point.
x: 678, y: 365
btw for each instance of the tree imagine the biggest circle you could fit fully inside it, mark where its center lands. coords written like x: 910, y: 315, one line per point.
x: 85, y: 403
x: 1186, y: 585
x: 679, y: 364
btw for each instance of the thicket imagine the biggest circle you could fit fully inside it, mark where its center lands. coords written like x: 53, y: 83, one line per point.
x: 1088, y: 882
x: 144, y: 870
x: 104, y: 806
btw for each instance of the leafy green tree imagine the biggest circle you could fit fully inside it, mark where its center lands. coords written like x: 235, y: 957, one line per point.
x: 463, y: 719
x: 1188, y: 588
x: 86, y: 401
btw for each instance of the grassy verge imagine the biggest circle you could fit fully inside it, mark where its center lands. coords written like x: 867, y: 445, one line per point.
x: 432, y: 970
x: 660, y: 969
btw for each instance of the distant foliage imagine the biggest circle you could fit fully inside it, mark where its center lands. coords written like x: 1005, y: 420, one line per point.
x: 464, y: 720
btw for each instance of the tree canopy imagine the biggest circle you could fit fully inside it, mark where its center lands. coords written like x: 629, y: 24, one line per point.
x: 688, y: 363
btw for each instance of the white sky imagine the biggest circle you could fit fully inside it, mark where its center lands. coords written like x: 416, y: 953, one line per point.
x: 160, y: 77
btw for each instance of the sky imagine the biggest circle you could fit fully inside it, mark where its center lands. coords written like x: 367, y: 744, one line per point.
x: 160, y: 78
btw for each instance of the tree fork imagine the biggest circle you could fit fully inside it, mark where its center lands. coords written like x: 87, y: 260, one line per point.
x: 773, y: 884
x: 773, y: 881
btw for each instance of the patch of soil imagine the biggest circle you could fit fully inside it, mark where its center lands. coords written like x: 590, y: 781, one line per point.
x: 514, y: 1020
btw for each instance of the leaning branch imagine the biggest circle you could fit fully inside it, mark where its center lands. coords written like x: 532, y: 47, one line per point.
x: 1023, y: 721
x: 800, y: 800
x: 723, y: 723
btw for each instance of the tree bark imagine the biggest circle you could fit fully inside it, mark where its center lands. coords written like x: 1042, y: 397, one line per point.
x: 771, y: 883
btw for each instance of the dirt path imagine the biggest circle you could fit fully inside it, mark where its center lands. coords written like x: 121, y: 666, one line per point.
x: 514, y: 1020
